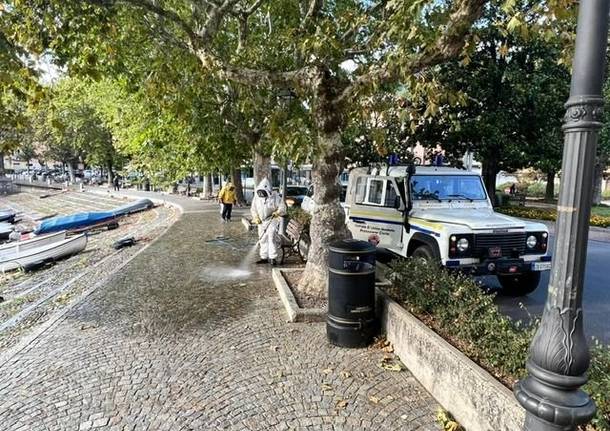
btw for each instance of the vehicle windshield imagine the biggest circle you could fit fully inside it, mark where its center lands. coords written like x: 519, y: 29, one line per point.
x: 447, y: 187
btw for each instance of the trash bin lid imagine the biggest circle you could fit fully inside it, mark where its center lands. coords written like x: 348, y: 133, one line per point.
x: 352, y: 246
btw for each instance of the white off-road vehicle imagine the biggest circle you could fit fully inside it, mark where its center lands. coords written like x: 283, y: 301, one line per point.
x: 444, y: 214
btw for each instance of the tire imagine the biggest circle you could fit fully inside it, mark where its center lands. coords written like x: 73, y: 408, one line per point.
x: 424, y: 252
x: 519, y: 285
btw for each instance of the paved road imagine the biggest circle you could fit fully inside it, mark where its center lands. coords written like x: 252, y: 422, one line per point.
x: 596, y: 295
x: 173, y: 342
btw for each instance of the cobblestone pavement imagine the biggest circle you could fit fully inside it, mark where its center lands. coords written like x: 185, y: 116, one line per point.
x: 161, y: 347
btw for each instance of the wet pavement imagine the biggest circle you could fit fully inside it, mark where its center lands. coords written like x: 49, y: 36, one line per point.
x: 162, y: 345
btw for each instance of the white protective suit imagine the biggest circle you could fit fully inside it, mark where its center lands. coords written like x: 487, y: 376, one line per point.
x: 263, y: 209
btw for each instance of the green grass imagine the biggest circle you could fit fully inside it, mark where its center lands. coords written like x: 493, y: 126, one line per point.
x: 601, y: 210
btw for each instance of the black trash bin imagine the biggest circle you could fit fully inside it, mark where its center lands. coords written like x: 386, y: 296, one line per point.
x: 351, y: 294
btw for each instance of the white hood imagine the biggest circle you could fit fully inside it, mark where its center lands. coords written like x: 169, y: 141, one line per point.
x: 474, y: 218
x: 264, y: 185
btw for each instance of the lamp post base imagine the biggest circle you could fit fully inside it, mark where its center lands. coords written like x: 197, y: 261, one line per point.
x: 553, y: 402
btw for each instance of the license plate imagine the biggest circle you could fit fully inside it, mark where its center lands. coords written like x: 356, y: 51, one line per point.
x: 541, y: 266
x: 495, y: 251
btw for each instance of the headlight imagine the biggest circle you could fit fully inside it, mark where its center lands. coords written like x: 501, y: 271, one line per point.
x: 462, y: 245
x: 532, y: 241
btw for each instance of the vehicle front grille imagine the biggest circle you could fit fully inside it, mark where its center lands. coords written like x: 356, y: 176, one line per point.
x: 512, y: 244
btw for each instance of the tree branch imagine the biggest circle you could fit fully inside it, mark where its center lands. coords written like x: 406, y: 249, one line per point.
x: 164, y: 13
x: 315, y: 6
x: 446, y: 47
x: 373, y: 9
x: 255, y: 77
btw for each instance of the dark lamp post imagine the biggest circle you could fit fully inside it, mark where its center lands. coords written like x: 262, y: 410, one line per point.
x: 559, y: 354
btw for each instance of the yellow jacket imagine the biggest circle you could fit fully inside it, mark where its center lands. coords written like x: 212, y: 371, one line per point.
x: 227, y: 194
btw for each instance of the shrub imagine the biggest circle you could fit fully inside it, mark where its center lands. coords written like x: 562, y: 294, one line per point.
x: 548, y: 214
x: 536, y: 189
x: 299, y: 215
x: 460, y: 311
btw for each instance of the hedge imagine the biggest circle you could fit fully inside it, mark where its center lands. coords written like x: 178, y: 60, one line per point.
x: 459, y: 310
x: 547, y: 214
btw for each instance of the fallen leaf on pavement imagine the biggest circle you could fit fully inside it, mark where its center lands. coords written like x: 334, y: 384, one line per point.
x: 390, y: 363
x: 326, y: 387
x: 346, y: 374
x: 373, y: 399
x: 341, y: 404
x: 327, y: 370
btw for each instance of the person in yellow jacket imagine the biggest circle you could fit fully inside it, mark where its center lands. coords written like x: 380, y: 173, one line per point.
x: 227, y: 198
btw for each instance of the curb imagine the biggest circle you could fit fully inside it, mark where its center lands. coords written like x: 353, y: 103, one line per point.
x: 478, y: 401
x: 294, y: 312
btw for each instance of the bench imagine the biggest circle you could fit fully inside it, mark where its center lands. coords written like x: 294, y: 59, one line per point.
x: 296, y: 235
x: 517, y: 197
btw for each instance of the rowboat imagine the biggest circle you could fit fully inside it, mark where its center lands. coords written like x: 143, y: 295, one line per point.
x: 46, y: 253
x: 73, y: 221
x: 82, y: 221
x: 14, y: 248
x: 7, y: 216
x: 5, y: 230
x: 133, y: 207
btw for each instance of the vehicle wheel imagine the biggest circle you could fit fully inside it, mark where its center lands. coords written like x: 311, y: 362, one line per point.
x: 519, y: 285
x: 424, y: 252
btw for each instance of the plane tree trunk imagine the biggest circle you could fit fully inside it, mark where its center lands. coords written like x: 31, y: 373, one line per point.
x: 598, y: 178
x: 262, y: 166
x: 489, y: 173
x: 110, y: 174
x: 549, y: 193
x: 328, y: 221
x: 239, y: 189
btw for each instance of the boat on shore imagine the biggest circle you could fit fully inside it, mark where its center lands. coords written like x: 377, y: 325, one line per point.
x: 45, y: 253
x: 82, y: 221
x: 14, y: 248
x: 7, y: 216
x: 133, y: 207
x: 5, y: 230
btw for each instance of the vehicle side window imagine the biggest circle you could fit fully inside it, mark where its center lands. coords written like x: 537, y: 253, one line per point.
x: 360, y: 190
x: 375, y: 193
x: 391, y: 195
x: 310, y: 191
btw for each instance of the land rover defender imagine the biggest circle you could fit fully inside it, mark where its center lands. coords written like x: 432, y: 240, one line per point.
x: 444, y: 214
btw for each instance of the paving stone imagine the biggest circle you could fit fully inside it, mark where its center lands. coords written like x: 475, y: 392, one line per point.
x: 177, y: 349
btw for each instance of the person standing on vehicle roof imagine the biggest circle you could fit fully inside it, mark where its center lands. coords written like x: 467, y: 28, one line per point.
x: 227, y: 199
x: 267, y: 208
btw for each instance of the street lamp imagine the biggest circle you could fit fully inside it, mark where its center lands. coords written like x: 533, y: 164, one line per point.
x: 559, y: 354
x: 286, y: 96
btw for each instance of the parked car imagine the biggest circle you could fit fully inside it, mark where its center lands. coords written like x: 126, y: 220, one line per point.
x: 445, y: 215
x: 309, y: 204
x: 295, y: 195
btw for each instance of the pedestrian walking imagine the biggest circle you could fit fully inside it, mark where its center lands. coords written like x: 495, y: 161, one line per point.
x: 227, y: 198
x: 267, y: 208
x: 117, y: 183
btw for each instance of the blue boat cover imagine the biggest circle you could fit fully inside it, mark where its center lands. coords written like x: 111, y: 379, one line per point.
x: 81, y: 220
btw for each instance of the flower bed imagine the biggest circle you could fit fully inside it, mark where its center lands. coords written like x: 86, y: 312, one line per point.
x: 548, y: 214
x: 457, y: 309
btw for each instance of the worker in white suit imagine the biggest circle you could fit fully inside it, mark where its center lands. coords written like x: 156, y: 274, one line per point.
x: 267, y: 208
